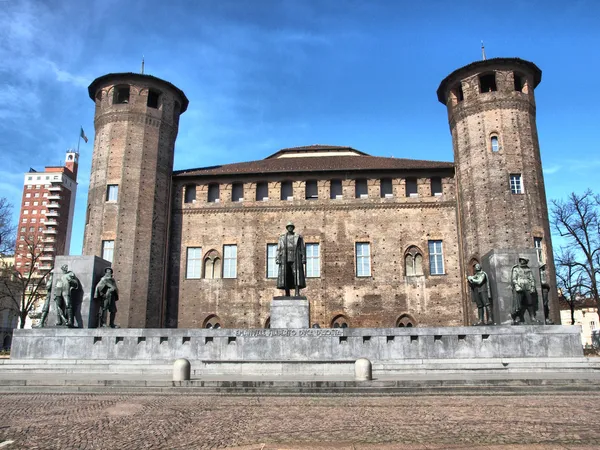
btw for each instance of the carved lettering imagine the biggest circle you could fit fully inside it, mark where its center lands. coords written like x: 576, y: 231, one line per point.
x: 312, y: 332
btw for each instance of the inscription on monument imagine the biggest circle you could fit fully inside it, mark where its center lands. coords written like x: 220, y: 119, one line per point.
x: 312, y: 332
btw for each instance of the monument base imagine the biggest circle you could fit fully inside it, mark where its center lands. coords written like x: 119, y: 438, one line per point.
x: 290, y: 312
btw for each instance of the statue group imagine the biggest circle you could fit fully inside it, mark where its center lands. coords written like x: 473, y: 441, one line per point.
x: 106, y: 293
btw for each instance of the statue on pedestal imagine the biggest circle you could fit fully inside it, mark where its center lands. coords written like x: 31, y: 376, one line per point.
x: 525, y: 297
x: 291, y: 257
x: 66, y: 284
x: 107, y: 294
x: 545, y: 293
x: 46, y: 307
x: 481, y: 295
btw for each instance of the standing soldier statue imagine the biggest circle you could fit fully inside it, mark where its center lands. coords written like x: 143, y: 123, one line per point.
x: 525, y: 297
x: 46, y: 307
x: 481, y: 295
x: 66, y: 284
x: 107, y: 293
x: 545, y: 293
x: 291, y: 257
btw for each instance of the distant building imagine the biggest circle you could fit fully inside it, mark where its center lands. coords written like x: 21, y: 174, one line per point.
x: 586, y: 316
x: 46, y: 216
x: 389, y: 240
x: 8, y: 313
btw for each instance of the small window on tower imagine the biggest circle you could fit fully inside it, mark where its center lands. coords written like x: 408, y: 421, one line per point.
x: 487, y: 83
x: 516, y: 183
x: 519, y: 82
x: 121, y: 95
x: 112, y: 192
x: 495, y: 143
x: 456, y: 94
x: 153, y: 99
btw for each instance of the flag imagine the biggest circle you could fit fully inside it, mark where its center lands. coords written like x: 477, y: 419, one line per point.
x: 83, y: 136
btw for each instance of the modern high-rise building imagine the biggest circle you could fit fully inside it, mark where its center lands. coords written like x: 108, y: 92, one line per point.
x: 46, y: 217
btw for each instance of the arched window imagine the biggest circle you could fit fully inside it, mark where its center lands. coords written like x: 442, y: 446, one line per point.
x: 494, y: 143
x: 121, y: 95
x: 406, y: 320
x: 212, y: 322
x: 487, y: 82
x: 213, y: 193
x: 339, y: 321
x: 189, y: 195
x: 413, y: 262
x: 212, y: 265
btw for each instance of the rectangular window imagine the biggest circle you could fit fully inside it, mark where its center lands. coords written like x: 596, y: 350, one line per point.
x: 287, y: 191
x: 436, y: 258
x: 335, y: 189
x: 537, y: 243
x: 28, y: 195
x: 313, y: 261
x: 112, y: 192
x: 194, y: 262
x: 108, y: 249
x: 237, y: 192
x: 26, y: 203
x: 271, y: 264
x: 230, y: 261
x: 363, y: 259
x: 436, y: 186
x: 516, y: 183
x: 190, y: 193
x: 411, y: 187
x: 213, y: 193
x: 312, y: 191
x: 262, y: 191
x: 360, y: 189
x: 153, y: 99
x: 386, y: 189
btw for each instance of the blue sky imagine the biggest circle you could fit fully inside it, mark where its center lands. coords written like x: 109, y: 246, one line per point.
x: 266, y: 74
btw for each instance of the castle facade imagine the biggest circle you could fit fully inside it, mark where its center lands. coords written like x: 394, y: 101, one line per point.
x: 389, y: 241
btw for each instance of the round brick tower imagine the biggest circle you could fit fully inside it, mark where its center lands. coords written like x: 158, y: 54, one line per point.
x: 127, y: 220
x: 500, y: 186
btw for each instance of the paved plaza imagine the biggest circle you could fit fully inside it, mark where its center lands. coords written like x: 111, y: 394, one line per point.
x: 175, y: 421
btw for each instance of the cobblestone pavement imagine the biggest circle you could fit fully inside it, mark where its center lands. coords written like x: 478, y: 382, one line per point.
x: 172, y: 421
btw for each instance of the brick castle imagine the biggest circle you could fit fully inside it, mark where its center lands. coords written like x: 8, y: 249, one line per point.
x: 389, y: 240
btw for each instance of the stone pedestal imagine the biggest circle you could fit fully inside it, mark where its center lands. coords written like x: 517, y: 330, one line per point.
x: 498, y: 264
x: 89, y: 270
x: 290, y: 312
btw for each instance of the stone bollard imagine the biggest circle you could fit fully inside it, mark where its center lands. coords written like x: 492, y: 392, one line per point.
x: 181, y: 370
x: 362, y: 370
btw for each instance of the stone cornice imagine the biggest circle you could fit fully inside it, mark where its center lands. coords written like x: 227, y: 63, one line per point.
x: 461, y: 112
x: 129, y: 116
x: 313, y: 207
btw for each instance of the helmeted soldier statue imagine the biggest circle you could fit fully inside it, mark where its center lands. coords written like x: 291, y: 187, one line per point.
x: 291, y: 257
x: 481, y: 295
x: 525, y: 297
x: 107, y: 293
x: 66, y: 284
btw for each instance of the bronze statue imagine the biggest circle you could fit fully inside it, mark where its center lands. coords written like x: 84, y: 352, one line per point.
x: 107, y: 293
x: 66, y: 284
x: 46, y: 307
x: 481, y: 295
x: 545, y: 291
x: 291, y: 257
x: 525, y: 297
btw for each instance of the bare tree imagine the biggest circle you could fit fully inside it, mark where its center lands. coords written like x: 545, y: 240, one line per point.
x: 577, y: 221
x: 569, y: 279
x: 21, y: 288
x: 7, y: 229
